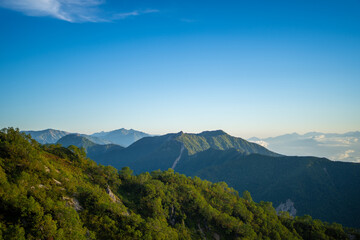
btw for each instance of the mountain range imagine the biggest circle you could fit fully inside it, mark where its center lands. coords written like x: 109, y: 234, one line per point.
x: 121, y: 136
x: 317, y: 186
x: 47, y: 136
x: 339, y: 147
x: 51, y: 192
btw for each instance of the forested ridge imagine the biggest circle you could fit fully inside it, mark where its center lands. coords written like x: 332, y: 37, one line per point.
x: 324, y: 189
x: 52, y: 192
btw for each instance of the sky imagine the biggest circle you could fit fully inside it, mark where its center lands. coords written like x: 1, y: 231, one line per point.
x: 250, y: 68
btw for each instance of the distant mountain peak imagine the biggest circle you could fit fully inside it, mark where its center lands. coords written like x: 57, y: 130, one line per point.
x: 121, y: 136
x: 218, y: 139
x: 47, y: 135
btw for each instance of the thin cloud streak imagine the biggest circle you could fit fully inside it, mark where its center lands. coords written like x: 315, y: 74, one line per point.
x: 68, y: 10
x: 133, y: 13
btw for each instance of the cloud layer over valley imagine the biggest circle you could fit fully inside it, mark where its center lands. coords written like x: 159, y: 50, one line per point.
x: 337, y: 147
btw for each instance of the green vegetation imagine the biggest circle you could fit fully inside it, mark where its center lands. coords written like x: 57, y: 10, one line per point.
x: 319, y: 187
x: 219, y: 140
x: 52, y: 192
x: 160, y: 152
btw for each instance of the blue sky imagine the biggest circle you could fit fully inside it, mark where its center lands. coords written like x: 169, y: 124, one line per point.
x: 251, y: 68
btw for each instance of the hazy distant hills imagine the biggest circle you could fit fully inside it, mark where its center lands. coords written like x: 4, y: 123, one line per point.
x: 92, y: 149
x: 338, y: 147
x: 47, y: 136
x: 121, y: 136
x: 76, y: 140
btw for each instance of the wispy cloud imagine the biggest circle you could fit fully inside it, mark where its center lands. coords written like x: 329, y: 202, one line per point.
x: 68, y: 10
x: 133, y: 13
x: 345, y: 155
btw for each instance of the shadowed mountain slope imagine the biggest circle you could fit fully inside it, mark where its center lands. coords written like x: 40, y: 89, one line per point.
x: 317, y: 186
x: 92, y: 149
x: 160, y: 152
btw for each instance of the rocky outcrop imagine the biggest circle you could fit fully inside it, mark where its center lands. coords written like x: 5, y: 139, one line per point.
x: 56, y: 181
x: 113, y: 197
x: 46, y: 169
x: 287, y: 207
x: 73, y: 202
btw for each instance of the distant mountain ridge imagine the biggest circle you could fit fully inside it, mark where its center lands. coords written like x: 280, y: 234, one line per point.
x: 47, y: 135
x: 161, y: 152
x: 121, y: 136
x: 92, y: 149
x: 76, y: 140
x: 219, y: 140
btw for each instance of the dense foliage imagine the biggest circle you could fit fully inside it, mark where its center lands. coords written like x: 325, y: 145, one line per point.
x: 319, y: 187
x: 52, y: 192
x: 219, y: 140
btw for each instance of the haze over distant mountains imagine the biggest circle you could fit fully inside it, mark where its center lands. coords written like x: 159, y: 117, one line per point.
x: 338, y: 147
x: 122, y: 137
x: 47, y: 135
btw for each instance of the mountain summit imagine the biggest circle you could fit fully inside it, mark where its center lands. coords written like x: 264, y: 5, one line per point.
x: 47, y: 135
x: 123, y: 137
x: 163, y: 152
x: 219, y: 140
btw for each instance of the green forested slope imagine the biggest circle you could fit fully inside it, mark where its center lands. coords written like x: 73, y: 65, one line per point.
x: 219, y: 140
x: 160, y: 152
x: 322, y: 188
x: 52, y: 192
